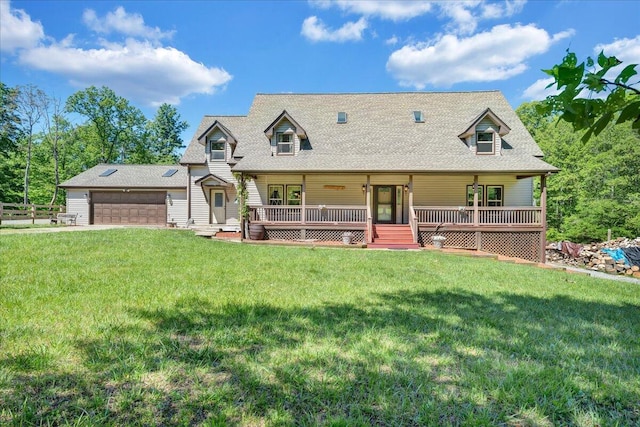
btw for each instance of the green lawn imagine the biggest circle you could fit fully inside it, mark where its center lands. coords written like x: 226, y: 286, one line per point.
x: 159, y: 327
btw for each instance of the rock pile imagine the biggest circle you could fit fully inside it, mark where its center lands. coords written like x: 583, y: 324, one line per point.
x: 592, y: 257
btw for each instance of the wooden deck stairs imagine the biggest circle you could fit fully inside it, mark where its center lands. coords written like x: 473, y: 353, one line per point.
x: 393, y: 236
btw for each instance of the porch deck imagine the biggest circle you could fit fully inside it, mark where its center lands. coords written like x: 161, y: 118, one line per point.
x: 507, y: 230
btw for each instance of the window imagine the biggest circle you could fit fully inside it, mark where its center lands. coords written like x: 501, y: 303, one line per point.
x: 417, y: 116
x: 217, y: 150
x: 218, y: 200
x: 484, y: 142
x: 294, y: 195
x: 276, y: 193
x: 495, y: 195
x: 108, y: 172
x: 284, y: 143
x: 470, y: 195
x: 342, y: 117
x: 169, y: 173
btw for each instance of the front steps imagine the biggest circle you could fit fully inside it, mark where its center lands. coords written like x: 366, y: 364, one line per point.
x: 393, y: 236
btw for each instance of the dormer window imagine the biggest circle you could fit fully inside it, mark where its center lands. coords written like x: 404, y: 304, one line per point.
x: 284, y: 141
x: 217, y: 148
x: 417, y: 116
x: 484, y: 142
x: 342, y: 117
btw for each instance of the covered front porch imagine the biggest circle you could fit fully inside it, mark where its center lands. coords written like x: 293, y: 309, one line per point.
x: 509, y: 230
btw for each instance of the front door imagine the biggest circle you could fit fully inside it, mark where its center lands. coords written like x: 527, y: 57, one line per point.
x: 218, y: 207
x: 384, y: 204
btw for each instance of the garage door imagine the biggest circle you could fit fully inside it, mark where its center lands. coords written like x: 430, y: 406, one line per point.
x: 144, y: 207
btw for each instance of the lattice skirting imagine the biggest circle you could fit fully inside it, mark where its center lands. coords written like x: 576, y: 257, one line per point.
x: 322, y: 235
x: 525, y: 245
x: 522, y: 244
x: 455, y: 239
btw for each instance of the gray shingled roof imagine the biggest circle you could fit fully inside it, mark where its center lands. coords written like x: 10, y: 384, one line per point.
x: 380, y: 135
x: 129, y: 176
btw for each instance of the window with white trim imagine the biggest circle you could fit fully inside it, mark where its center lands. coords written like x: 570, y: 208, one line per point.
x: 495, y: 195
x: 284, y: 143
x: 217, y: 150
x: 484, y: 143
x: 294, y: 195
x: 276, y: 194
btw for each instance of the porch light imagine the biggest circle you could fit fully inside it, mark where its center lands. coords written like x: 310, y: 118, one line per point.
x: 406, y: 188
x: 364, y: 187
x: 169, y: 199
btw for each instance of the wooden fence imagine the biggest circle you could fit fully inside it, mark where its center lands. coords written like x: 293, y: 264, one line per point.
x: 30, y: 212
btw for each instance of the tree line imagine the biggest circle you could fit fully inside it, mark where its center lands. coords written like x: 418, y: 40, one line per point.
x: 44, y: 141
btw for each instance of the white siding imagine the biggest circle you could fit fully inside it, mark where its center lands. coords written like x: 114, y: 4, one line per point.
x: 200, y: 199
x: 78, y: 204
x: 177, y: 207
x: 199, y: 202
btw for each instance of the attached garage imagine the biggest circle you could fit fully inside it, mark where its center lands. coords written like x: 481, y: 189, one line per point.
x: 129, y: 195
x: 138, y: 207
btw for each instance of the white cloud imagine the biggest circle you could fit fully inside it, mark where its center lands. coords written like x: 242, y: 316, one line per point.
x: 392, y: 41
x: 394, y: 10
x: 497, y: 54
x: 137, y: 70
x: 626, y: 50
x: 316, y: 31
x: 119, y: 21
x: 539, y: 90
x: 17, y: 30
x: 465, y: 15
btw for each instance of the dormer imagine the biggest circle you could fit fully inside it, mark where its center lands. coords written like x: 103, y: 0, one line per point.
x: 484, y: 135
x: 284, y: 135
x: 218, y: 142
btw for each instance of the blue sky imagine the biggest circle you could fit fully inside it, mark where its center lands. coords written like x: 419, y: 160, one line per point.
x: 213, y: 57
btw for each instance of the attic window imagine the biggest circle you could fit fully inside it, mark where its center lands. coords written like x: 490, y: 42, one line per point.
x: 342, y: 117
x: 484, y: 142
x: 170, y: 173
x: 417, y: 116
x: 108, y: 172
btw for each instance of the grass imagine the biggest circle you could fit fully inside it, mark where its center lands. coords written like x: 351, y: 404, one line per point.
x: 158, y: 327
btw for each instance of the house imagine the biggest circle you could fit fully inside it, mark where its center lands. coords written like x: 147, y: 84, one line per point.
x: 389, y: 169
x: 129, y: 194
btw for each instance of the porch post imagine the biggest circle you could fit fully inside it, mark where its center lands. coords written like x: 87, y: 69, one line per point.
x: 304, y: 199
x: 476, y: 213
x: 368, y: 196
x: 543, y: 217
x: 410, y: 192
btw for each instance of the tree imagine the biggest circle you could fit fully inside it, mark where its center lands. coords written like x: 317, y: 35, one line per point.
x: 598, y: 186
x: 593, y: 113
x: 9, y: 120
x: 31, y: 104
x: 119, y: 126
x: 56, y: 127
x: 165, y: 130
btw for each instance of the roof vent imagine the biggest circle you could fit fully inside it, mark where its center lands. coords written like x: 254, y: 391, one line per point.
x: 342, y: 117
x: 170, y: 173
x: 108, y: 172
x: 418, y: 117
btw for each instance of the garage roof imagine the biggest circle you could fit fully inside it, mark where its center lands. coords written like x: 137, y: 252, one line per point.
x: 129, y: 176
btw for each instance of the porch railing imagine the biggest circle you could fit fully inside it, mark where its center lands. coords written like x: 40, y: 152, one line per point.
x: 503, y: 216
x: 312, y: 214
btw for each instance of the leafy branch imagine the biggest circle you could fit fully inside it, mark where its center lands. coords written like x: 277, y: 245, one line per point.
x: 593, y: 113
